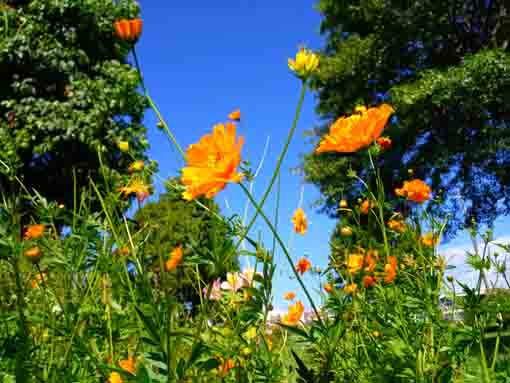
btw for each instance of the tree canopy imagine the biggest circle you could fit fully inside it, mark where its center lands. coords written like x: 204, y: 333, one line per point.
x: 196, y: 226
x: 66, y: 94
x: 445, y: 68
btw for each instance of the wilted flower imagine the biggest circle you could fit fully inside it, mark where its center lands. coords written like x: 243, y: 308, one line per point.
x: 384, y: 143
x: 34, y: 232
x: 174, y: 260
x: 235, y: 115
x: 415, y: 190
x: 128, y: 30
x: 305, y: 64
x: 390, y: 269
x: 215, y: 290
x: 300, y: 222
x: 136, y: 166
x: 128, y: 365
x: 354, y: 263
x: 346, y: 231
x: 225, y: 367
x: 351, y: 288
x: 396, y: 225
x: 212, y: 162
x: 34, y: 254
x: 303, y: 265
x: 371, y: 260
x: 289, y: 296
x: 137, y: 187
x: 350, y: 134
x: 368, y: 281
x: 293, y: 314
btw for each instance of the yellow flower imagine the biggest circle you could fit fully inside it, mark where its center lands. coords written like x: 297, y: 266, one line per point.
x: 34, y: 254
x: 115, y: 378
x: 300, y: 222
x: 251, y: 333
x: 294, y: 314
x: 137, y: 187
x: 354, y: 263
x: 136, y: 166
x: 123, y: 146
x: 429, y: 240
x: 305, y: 63
x: 350, y: 134
x: 235, y: 115
x: 212, y: 162
x: 34, y: 232
x: 343, y: 204
x: 351, y: 288
x: 175, y: 259
x: 128, y: 365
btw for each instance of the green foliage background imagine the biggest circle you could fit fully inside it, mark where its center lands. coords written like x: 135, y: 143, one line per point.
x: 445, y: 68
x: 66, y: 94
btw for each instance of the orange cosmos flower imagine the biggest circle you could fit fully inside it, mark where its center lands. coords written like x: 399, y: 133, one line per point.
x: 369, y: 281
x: 390, y: 269
x: 365, y: 206
x: 115, y: 378
x: 294, y: 314
x: 225, y: 367
x: 328, y: 288
x: 136, y: 166
x: 371, y: 260
x: 235, y: 115
x: 212, y: 162
x: 137, y: 187
x: 289, y: 296
x: 429, y: 240
x: 303, y: 265
x: 350, y: 134
x: 415, y: 190
x: 34, y: 254
x: 300, y: 222
x: 34, y: 232
x: 354, y: 263
x: 128, y: 365
x: 38, y: 278
x: 351, y: 288
x: 175, y: 259
x: 128, y: 30
x: 384, y: 143
x: 396, y: 225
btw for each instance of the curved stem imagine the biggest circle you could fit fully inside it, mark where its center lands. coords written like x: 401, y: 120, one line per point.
x: 278, y: 164
x: 284, y: 248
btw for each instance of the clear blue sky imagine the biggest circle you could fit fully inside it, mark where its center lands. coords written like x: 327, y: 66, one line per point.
x: 202, y: 60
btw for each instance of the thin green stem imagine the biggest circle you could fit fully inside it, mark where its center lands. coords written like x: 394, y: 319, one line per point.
x: 278, y: 165
x: 22, y: 343
x: 285, y: 251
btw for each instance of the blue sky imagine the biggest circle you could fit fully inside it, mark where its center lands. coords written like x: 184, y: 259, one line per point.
x: 202, y: 61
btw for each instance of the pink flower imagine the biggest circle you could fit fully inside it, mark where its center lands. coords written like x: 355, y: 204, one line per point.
x: 214, y: 290
x: 234, y: 282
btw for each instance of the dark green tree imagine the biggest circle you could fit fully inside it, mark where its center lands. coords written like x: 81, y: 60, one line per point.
x: 445, y: 68
x: 205, y: 236
x: 67, y: 93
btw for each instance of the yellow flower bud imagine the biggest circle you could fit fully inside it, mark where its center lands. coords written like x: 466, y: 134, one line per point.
x: 123, y: 146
